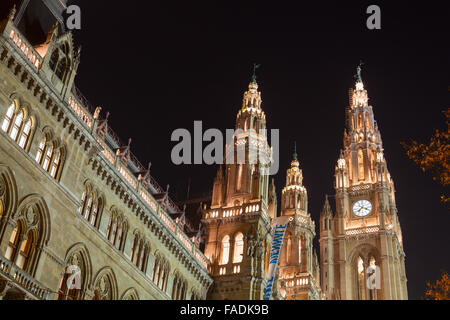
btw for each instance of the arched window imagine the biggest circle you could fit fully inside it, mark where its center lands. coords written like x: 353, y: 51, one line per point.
x: 239, y: 177
x: 225, y: 250
x: 8, y: 118
x: 14, y: 242
x: 61, y: 69
x: 26, y: 249
x: 17, y: 126
x: 41, y: 149
x: 25, y: 135
x: 55, y: 163
x: 300, y: 250
x: 54, y: 60
x: 360, y: 165
x: 360, y: 279
x: 288, y: 248
x: 238, y: 248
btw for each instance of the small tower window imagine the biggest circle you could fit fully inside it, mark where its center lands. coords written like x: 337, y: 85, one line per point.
x: 360, y: 165
x: 238, y: 248
x: 225, y: 250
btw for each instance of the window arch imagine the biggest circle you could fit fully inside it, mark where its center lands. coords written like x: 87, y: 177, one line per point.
x: 179, y: 288
x: 160, y: 272
x: 54, y: 60
x: 31, y: 230
x: 360, y: 278
x: 78, y: 256
x: 91, y: 206
x: 224, y: 257
x: 50, y: 156
x: 14, y: 241
x: 238, y: 248
x: 18, y: 125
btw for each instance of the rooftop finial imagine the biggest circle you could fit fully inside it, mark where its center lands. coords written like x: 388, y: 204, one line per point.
x: 295, y: 151
x: 12, y: 13
x: 358, y: 71
x: 255, y: 66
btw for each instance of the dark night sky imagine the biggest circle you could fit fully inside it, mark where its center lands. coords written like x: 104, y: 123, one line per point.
x: 160, y: 67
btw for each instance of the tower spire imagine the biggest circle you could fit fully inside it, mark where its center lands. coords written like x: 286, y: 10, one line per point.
x: 358, y: 72
x: 255, y: 66
x: 294, y: 156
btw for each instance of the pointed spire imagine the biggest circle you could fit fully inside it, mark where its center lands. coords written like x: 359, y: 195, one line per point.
x: 326, y: 210
x: 12, y: 13
x: 294, y: 156
x: 255, y: 66
x: 358, y: 72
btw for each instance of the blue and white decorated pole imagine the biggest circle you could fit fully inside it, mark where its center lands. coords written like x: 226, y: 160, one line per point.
x: 279, y: 229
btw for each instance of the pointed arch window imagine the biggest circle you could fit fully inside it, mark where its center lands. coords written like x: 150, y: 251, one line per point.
x: 26, y: 249
x: 14, y: 241
x: 360, y: 279
x: 25, y: 135
x: 288, y: 248
x: 238, y: 248
x: 54, y: 60
x: 300, y: 250
x: 17, y: 125
x: 225, y: 250
x: 8, y: 118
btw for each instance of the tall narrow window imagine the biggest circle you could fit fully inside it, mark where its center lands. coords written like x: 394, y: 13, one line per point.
x: 55, y: 164
x: 17, y: 125
x: 239, y: 178
x: 288, y: 248
x: 41, y: 150
x: 300, y: 250
x: 360, y: 279
x: 48, y: 157
x: 25, y: 251
x: 238, y: 248
x: 8, y: 118
x: 360, y: 165
x: 24, y: 136
x: 225, y: 250
x: 13, y: 244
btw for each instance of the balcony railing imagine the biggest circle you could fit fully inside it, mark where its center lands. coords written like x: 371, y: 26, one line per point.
x: 22, y: 280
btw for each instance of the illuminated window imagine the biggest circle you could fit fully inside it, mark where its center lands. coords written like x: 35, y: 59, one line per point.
x: 24, y: 136
x: 55, y: 163
x: 14, y: 241
x: 300, y: 250
x: 25, y: 250
x: 8, y: 118
x: 239, y: 178
x: 225, y: 250
x: 41, y: 150
x: 48, y: 157
x: 360, y: 279
x: 238, y: 248
x: 17, y: 125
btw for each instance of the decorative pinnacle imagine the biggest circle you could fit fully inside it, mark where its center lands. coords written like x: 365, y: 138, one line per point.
x: 12, y: 13
x: 358, y: 71
x: 294, y: 156
x: 255, y: 66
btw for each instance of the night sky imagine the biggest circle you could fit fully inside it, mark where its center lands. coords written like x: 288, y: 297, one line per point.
x: 159, y: 67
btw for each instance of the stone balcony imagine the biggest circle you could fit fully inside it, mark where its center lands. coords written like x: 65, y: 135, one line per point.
x: 16, y: 284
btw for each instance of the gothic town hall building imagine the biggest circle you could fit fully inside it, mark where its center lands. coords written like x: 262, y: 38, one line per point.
x: 82, y: 218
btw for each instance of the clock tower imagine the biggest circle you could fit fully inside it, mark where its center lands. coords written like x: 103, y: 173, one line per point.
x: 361, y: 245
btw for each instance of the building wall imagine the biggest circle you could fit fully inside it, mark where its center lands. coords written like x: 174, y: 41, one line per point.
x: 50, y: 205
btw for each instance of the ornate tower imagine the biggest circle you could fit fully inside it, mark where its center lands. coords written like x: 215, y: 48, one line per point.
x: 299, y: 267
x: 238, y: 221
x: 361, y: 246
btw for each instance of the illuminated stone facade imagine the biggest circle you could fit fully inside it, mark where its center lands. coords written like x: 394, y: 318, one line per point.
x: 364, y: 234
x: 238, y: 230
x: 299, y: 266
x: 72, y: 195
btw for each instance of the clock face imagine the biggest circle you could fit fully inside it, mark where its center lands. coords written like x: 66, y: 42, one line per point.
x: 362, y: 208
